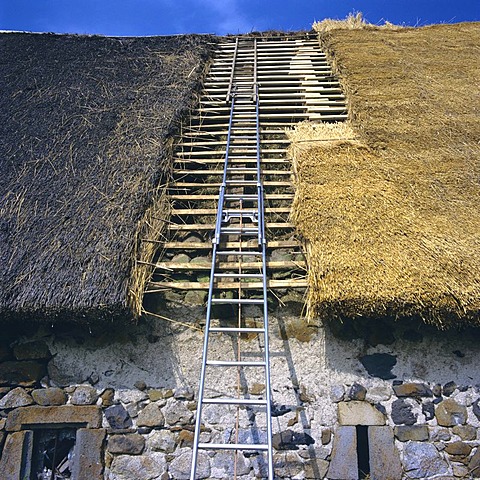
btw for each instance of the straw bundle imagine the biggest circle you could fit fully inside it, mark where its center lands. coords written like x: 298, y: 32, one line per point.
x: 84, y: 152
x: 389, y: 206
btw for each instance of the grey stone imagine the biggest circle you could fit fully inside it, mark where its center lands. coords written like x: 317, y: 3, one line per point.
x: 316, y: 468
x: 449, y: 388
x: 417, y: 433
x: 162, y: 441
x: 139, y: 467
x: 49, y: 396
x: 460, y: 471
x: 15, y: 462
x: 450, y: 413
x: 476, y: 408
x: 439, y: 434
x: 379, y: 365
x: 359, y: 413
x: 184, y: 393
x: 223, y: 462
x: 465, y: 432
x: 378, y: 394
x: 117, y: 417
x: 357, y: 392
x: 89, y: 452
x: 384, y: 459
x: 37, y: 350
x: 412, y: 390
x: 337, y: 393
x: 428, y: 409
x: 180, y: 466
x: 16, y: 398
x: 344, y: 463
x: 178, y: 413
x: 248, y: 436
x: 422, y: 460
x: 131, y: 444
x: 287, y: 464
x: 151, y: 416
x: 84, y: 395
x: 402, y: 413
x: 25, y: 374
x: 127, y: 396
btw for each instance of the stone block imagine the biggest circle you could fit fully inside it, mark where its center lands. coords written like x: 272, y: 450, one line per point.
x: 25, y: 374
x: 384, y: 458
x: 139, y: 467
x: 131, y: 444
x: 88, y: 464
x: 449, y: 413
x: 180, y: 466
x: 178, y: 414
x: 162, y: 441
x: 412, y: 390
x: 465, y: 432
x: 458, y: 448
x: 49, y: 396
x: 474, y: 464
x: 344, y: 463
x: 87, y: 416
x: 422, y: 460
x: 151, y: 416
x: 416, y: 433
x: 118, y: 418
x: 402, y: 412
x: 84, y: 395
x: 15, y: 463
x: 16, y: 398
x: 359, y: 413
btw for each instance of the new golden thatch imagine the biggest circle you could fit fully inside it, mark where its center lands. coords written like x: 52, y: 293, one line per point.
x: 84, y: 153
x: 389, y: 206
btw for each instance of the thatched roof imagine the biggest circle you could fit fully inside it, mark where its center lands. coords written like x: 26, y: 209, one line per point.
x: 390, y: 206
x: 83, y: 149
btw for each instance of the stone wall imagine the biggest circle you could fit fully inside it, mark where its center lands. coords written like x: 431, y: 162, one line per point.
x: 130, y: 392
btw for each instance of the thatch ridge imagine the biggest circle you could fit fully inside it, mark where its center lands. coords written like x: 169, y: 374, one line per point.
x: 83, y: 155
x: 390, y: 216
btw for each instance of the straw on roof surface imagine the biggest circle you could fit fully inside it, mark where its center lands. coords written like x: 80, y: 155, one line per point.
x: 83, y: 155
x: 391, y: 213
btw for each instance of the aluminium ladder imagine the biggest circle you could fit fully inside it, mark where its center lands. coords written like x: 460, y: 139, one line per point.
x: 240, y: 219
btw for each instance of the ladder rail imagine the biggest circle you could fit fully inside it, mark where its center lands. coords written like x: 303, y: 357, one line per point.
x: 224, y: 215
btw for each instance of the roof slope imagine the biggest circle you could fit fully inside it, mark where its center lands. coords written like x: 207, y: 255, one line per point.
x: 83, y: 148
x: 390, y: 209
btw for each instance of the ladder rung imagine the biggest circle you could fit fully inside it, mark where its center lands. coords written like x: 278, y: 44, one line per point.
x: 238, y: 275
x: 236, y: 330
x: 238, y: 252
x: 239, y: 301
x: 233, y: 446
x: 235, y: 363
x: 235, y: 401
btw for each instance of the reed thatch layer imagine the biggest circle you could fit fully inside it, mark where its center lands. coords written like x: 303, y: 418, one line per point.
x: 83, y: 155
x: 390, y: 213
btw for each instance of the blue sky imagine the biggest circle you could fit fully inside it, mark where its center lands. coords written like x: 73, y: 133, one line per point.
x: 166, y: 17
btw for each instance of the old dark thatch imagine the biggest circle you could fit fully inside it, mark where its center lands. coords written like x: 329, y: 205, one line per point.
x: 390, y: 205
x: 84, y: 131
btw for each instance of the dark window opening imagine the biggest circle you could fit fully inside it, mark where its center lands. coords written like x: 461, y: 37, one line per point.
x: 363, y: 454
x: 53, y: 452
